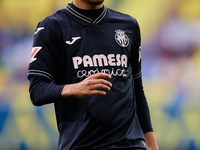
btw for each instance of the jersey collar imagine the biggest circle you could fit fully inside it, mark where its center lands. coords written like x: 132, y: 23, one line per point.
x: 86, y: 19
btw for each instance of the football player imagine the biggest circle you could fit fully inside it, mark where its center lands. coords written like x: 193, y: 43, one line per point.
x: 86, y: 59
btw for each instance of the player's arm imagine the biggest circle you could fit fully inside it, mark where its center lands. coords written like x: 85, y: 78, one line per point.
x: 141, y: 102
x: 43, y: 92
x: 43, y: 63
x: 43, y: 66
x: 88, y: 86
x: 144, y: 115
x: 151, y: 141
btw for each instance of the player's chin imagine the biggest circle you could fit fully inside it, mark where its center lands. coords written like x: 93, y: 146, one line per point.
x: 95, y: 2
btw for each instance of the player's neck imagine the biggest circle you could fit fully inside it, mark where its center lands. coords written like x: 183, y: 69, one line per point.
x: 85, y: 6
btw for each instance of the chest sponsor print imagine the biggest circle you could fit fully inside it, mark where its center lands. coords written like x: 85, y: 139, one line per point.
x: 117, y: 62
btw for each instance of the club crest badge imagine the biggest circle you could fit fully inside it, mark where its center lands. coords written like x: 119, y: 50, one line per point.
x: 121, y: 38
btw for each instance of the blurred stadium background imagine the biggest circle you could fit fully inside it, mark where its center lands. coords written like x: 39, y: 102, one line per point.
x: 171, y: 71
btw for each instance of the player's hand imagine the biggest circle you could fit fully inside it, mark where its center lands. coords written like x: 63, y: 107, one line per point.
x: 88, y: 87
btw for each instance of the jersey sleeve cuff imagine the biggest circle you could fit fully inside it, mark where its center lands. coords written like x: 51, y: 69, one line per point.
x: 40, y: 73
x: 137, y: 75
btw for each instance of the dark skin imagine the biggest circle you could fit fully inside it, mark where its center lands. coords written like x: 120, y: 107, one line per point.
x: 88, y: 4
x: 88, y: 86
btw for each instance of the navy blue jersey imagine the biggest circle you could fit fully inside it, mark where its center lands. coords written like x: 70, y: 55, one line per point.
x: 69, y: 47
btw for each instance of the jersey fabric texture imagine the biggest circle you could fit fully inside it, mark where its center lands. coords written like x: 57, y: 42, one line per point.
x: 69, y: 47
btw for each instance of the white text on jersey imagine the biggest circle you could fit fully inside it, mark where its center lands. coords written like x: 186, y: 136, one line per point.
x: 100, y: 60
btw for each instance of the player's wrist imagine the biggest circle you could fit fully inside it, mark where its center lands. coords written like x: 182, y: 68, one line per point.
x: 150, y: 141
x: 67, y: 91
